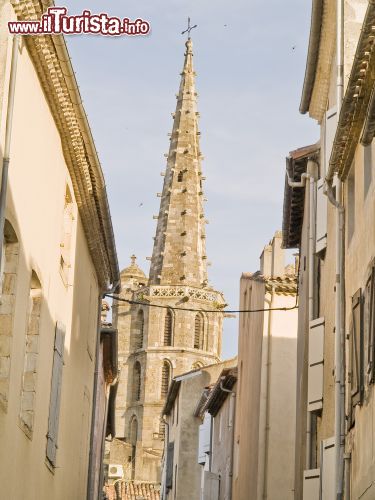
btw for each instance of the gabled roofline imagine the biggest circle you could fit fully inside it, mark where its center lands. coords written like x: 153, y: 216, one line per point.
x: 52, y: 63
x: 312, y: 54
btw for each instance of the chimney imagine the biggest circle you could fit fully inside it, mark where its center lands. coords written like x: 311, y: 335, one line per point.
x: 272, y: 260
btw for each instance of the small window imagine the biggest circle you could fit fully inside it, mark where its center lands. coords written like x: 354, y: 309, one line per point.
x: 198, y: 331
x: 180, y: 177
x: 137, y: 381
x: 165, y: 379
x: 367, y: 168
x: 139, y: 330
x: 168, y: 325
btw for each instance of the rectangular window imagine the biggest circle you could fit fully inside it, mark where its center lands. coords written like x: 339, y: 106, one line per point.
x: 169, y: 471
x: 329, y: 135
x: 351, y: 203
x: 55, y: 396
x: 367, y: 168
x: 321, y: 217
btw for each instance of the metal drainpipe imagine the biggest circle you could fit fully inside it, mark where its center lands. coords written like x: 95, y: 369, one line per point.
x: 268, y: 386
x: 8, y: 135
x: 232, y: 406
x: 311, y: 176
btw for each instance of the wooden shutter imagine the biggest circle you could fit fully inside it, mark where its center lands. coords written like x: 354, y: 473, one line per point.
x: 316, y: 361
x: 356, y: 351
x: 169, y: 473
x: 327, y: 469
x: 311, y: 484
x: 321, y: 217
x: 55, y: 396
x: 204, y: 443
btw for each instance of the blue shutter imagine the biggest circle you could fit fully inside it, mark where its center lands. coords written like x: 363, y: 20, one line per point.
x: 55, y: 396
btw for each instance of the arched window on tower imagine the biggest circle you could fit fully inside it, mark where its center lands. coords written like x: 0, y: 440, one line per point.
x: 168, y: 328
x: 180, y: 176
x: 198, y: 331
x: 139, y: 330
x: 165, y: 379
x: 137, y: 381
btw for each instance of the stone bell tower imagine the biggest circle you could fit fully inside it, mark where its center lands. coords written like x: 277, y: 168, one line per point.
x: 172, y: 333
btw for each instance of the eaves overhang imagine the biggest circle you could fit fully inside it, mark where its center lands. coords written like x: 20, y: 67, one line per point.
x: 357, y: 114
x: 52, y: 63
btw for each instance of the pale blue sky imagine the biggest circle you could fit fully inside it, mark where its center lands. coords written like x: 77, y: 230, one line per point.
x: 249, y: 83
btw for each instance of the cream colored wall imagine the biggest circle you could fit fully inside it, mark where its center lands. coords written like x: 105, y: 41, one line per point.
x: 259, y: 467
x: 37, y: 182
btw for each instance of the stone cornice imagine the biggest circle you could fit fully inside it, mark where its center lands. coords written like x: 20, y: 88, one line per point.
x: 52, y: 63
x: 206, y: 295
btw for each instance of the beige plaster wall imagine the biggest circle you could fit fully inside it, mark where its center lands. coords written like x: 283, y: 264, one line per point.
x: 37, y: 182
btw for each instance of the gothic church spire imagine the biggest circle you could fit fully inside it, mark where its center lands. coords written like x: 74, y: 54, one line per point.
x: 179, y: 255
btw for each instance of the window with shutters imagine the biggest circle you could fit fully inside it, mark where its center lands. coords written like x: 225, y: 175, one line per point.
x: 321, y: 217
x: 165, y: 379
x: 30, y: 369
x: 356, y: 351
x: 137, y: 381
x: 55, y: 395
x: 168, y: 328
x: 199, y: 331
x: 139, y: 330
x: 367, y: 168
x: 368, y: 328
x: 8, y: 283
x: 315, y: 367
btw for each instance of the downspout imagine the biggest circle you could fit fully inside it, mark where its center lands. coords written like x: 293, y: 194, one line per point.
x: 339, y: 280
x: 232, y: 406
x: 8, y: 135
x: 311, y: 176
x: 268, y: 386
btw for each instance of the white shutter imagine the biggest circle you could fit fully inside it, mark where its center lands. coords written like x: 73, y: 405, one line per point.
x: 204, y: 439
x: 328, y: 469
x: 329, y: 136
x: 55, y: 396
x: 311, y: 484
x: 211, y: 486
x: 316, y: 358
x: 321, y: 217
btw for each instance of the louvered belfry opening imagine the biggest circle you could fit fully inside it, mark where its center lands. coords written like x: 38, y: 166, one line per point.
x: 168, y: 328
x: 137, y: 381
x: 165, y: 378
x: 140, y: 328
x: 198, y: 332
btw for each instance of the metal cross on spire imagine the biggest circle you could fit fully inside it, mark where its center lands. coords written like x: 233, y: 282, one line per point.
x: 189, y: 28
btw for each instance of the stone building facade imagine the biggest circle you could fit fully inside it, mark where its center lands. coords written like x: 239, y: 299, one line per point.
x: 163, y: 333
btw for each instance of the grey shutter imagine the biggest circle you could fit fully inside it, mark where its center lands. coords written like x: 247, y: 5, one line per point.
x: 315, y: 368
x: 204, y: 443
x: 328, y: 469
x: 55, y: 396
x: 169, y: 473
x: 311, y: 484
x: 321, y: 217
x: 356, y: 352
x: 211, y: 486
x: 371, y: 332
